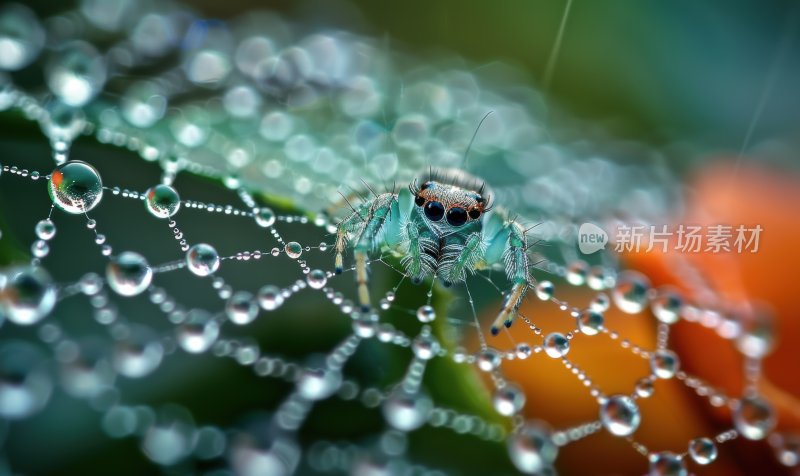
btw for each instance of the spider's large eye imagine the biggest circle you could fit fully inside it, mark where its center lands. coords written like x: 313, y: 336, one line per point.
x: 434, y: 211
x: 419, y: 201
x: 456, y: 216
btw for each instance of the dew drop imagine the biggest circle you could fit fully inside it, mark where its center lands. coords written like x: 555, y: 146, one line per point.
x: 198, y: 332
x: 241, y: 308
x: 545, y: 290
x: 138, y: 354
x: 407, y: 411
x: 317, y: 279
x: 76, y: 73
x: 667, y: 305
x: 531, y: 448
x: 619, y: 414
x: 577, y: 272
x: 508, y: 400
x: 25, y: 384
x: 664, y: 364
x: 21, y: 37
x: 162, y: 201
x: 590, y: 322
x: 202, y: 259
x: 46, y: 229
x: 27, y: 295
x: 265, y: 217
x: 426, y: 314
x: 75, y: 187
x: 556, y: 345
x: 293, y: 249
x: 319, y: 383
x: 425, y: 347
x: 630, y: 293
x: 488, y: 359
x: 270, y: 298
x: 666, y: 464
x: 129, y: 274
x: 754, y: 418
x: 703, y: 450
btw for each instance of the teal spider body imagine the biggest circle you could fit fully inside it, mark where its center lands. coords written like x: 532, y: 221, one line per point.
x: 443, y: 229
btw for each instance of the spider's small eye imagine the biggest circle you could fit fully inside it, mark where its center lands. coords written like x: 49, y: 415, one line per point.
x: 427, y: 185
x: 434, y: 211
x: 474, y: 213
x: 419, y: 201
x: 456, y: 216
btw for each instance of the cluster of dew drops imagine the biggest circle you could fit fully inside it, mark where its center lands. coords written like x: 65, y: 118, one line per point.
x: 169, y: 435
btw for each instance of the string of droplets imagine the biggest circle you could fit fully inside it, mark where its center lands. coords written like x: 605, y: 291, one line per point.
x: 533, y: 446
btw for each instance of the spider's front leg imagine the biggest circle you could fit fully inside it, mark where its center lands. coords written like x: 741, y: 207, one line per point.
x: 366, y: 224
x: 508, y: 244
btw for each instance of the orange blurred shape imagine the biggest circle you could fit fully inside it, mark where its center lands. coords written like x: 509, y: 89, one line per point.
x: 675, y: 414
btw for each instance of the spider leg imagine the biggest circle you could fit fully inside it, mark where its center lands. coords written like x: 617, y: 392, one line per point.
x: 368, y: 227
x: 514, y: 256
x: 419, y: 261
x: 459, y: 257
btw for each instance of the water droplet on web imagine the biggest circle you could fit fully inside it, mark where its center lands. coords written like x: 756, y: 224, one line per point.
x: 426, y: 313
x: 27, y: 294
x: 138, y: 354
x: 703, y: 450
x: 270, y: 297
x: 590, y: 322
x: 531, y: 447
x: 620, y: 415
x: 319, y: 383
x: 664, y: 364
x: 85, y: 368
x: 198, y: 332
x: 757, y: 338
x: 545, y: 290
x: 577, y: 272
x: 45, y: 229
x: 508, y: 399
x: 62, y: 123
x: 317, y: 279
x: 406, y: 411
x: 488, y: 359
x: 631, y: 292
x: 644, y: 388
x: 754, y: 418
x: 202, y: 259
x: 293, y: 249
x: 265, y: 217
x: 25, y: 384
x: 241, y: 308
x: 171, y: 438
x: 129, y: 274
x: 77, y: 73
x: 162, y: 201
x: 667, y: 305
x: 425, y: 347
x: 75, y: 187
x: 21, y: 37
x: 666, y: 464
x: 556, y: 345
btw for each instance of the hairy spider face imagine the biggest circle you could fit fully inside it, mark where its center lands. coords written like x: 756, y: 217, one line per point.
x: 448, y: 206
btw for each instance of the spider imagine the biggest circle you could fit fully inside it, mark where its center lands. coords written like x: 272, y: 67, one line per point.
x: 444, y: 228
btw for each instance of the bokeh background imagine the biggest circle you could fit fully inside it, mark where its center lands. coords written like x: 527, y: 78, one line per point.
x: 713, y: 84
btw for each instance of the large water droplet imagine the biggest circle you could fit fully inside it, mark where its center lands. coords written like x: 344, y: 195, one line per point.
x: 630, y: 293
x: 590, y: 322
x: 171, y: 438
x: 664, y: 363
x: 241, y: 308
x: 25, y: 384
x: 319, y: 383
x: 129, y: 274
x: 86, y: 370
x: 162, y: 201
x: 270, y: 297
x: 265, y: 217
x: 508, y: 400
x: 144, y: 104
x: 138, y: 354
x: 293, y: 249
x: 556, y: 345
x: 202, y: 259
x: 667, y: 305
x: 21, y: 37
x: 75, y: 187
x: 317, y: 279
x: 531, y: 447
x: 666, y: 464
x: 26, y: 295
x: 754, y: 418
x: 426, y: 313
x: 703, y: 450
x: 198, y: 332
x: 76, y: 73
x: 407, y: 411
x: 620, y: 415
